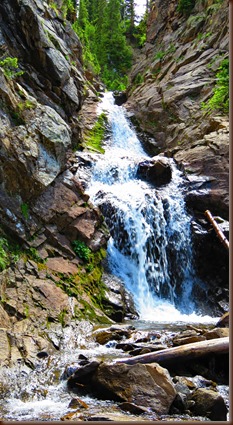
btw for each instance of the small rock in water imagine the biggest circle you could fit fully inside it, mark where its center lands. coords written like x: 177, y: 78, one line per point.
x: 82, y: 357
x: 133, y: 408
x: 77, y: 402
x: 42, y: 355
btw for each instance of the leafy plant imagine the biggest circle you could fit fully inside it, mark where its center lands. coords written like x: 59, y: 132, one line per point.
x: 10, y: 66
x: 81, y: 249
x: 138, y: 79
x: 33, y: 254
x: 220, y: 98
x: 3, y: 254
x: 160, y: 55
x: 185, y: 6
x: 24, y: 210
x: 26, y: 104
x: 61, y: 317
x: 68, y: 8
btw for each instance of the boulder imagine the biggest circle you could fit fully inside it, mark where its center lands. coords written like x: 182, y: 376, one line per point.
x: 149, y: 386
x: 120, y: 97
x: 157, y: 170
x: 208, y: 403
x: 81, y: 378
x: 223, y: 321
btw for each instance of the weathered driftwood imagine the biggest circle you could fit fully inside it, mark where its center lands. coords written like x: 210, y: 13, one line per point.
x: 217, y: 229
x: 181, y: 353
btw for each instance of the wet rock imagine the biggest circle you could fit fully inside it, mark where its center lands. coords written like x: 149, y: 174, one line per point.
x: 179, y: 404
x: 156, y: 170
x: 144, y: 385
x: 118, y: 300
x: 133, y: 408
x: 187, y: 337
x: 42, y: 355
x: 209, y: 403
x: 116, y: 333
x: 127, y: 347
x: 77, y: 402
x: 216, y: 333
x: 120, y: 97
x: 146, y: 349
x: 223, y: 321
x: 81, y: 378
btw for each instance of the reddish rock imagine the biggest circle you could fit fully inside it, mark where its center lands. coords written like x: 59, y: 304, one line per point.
x: 60, y: 265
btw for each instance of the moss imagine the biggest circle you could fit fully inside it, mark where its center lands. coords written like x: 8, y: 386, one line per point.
x: 62, y: 316
x: 24, y: 210
x: 87, y: 285
x: 95, y: 136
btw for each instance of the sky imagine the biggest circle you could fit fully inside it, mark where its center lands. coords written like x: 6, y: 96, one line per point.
x: 140, y: 7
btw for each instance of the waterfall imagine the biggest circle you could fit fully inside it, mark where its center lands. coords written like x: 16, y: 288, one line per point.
x: 150, y: 247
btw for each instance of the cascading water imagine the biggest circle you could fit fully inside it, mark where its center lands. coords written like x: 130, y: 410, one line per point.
x: 149, y: 250
x: 150, y: 246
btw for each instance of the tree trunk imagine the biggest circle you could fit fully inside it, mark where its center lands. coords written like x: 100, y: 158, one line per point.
x: 181, y: 353
x: 217, y: 229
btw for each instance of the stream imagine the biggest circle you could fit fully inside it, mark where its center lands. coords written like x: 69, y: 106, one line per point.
x: 149, y: 250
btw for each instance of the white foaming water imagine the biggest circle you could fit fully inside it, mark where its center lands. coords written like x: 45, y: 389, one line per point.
x: 150, y: 246
x: 41, y: 394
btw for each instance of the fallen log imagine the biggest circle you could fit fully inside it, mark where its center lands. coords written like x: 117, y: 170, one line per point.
x: 181, y: 353
x: 217, y: 229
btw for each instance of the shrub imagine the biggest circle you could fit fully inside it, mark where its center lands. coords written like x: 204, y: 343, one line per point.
x: 3, y: 254
x: 185, y: 6
x: 220, y: 98
x: 81, y: 250
x: 10, y: 66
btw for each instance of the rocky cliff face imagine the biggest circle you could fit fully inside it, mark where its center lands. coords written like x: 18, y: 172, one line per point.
x: 173, y: 75
x: 43, y: 206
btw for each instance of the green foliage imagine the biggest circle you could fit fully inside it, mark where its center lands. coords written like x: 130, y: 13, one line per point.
x: 26, y: 104
x: 24, y: 210
x: 87, y: 287
x: 32, y: 253
x: 96, y: 134
x: 220, y: 98
x: 62, y: 317
x: 10, y: 66
x: 9, y: 252
x: 203, y: 36
x: 81, y: 250
x: 68, y: 8
x: 138, y: 79
x: 53, y: 6
x: 160, y: 55
x: 185, y: 6
x: 101, y: 29
x: 194, y: 20
x: 4, y: 260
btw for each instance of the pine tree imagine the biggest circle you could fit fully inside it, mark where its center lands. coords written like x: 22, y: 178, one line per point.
x: 130, y: 15
x: 117, y: 54
x: 100, y: 25
x: 82, y: 15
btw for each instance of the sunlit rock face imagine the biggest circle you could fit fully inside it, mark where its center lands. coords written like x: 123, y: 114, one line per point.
x: 177, y: 68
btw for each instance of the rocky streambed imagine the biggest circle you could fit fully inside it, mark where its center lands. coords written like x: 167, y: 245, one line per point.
x: 88, y: 378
